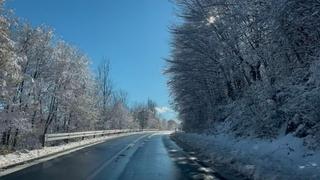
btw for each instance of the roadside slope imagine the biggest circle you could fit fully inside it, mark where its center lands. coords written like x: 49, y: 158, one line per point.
x: 283, y: 158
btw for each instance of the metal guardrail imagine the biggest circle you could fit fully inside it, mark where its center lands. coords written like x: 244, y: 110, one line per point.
x: 65, y: 136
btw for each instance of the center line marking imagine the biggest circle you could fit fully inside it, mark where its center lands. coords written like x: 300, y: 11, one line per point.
x: 96, y: 172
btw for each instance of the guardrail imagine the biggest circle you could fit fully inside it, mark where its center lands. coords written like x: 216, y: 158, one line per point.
x: 66, y: 136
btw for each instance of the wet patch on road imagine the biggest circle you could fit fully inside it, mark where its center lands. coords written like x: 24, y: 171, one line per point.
x: 220, y: 171
x: 189, y: 164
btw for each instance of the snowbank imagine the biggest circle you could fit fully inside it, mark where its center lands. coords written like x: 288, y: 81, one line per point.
x: 283, y: 158
x: 23, y: 156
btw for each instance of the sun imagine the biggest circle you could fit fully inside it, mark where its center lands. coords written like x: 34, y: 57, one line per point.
x: 211, y: 20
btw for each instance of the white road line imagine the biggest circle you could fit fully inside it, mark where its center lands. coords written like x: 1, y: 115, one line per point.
x: 104, y: 165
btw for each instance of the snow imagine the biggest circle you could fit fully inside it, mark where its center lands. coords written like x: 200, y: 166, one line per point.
x: 25, y: 155
x: 282, y: 158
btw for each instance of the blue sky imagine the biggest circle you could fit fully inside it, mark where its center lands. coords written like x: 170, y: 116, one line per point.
x: 132, y: 34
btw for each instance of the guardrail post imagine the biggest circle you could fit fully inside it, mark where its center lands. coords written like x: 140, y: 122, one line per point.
x: 43, y: 140
x: 67, y: 140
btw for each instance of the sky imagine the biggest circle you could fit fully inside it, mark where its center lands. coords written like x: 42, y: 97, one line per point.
x: 132, y: 34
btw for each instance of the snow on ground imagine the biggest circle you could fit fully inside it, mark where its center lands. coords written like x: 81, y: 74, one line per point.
x: 283, y: 158
x: 25, y: 155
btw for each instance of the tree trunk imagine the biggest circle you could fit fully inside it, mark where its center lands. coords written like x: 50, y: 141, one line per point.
x: 15, y: 139
x: 8, y: 137
x: 43, y: 136
x: 33, y: 119
x: 4, y: 138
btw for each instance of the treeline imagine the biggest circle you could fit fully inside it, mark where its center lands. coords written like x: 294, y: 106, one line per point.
x: 46, y: 86
x: 251, y: 66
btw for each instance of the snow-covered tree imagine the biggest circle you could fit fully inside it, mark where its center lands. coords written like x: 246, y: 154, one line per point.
x: 10, y: 75
x: 145, y: 115
x: 248, y: 64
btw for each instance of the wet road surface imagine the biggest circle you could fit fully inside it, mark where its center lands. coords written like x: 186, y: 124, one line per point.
x: 150, y: 156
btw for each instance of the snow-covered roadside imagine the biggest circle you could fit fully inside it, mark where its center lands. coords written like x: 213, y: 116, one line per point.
x: 23, y: 156
x: 283, y: 158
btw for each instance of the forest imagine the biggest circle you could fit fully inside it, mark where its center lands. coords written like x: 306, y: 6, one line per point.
x: 48, y: 86
x: 250, y: 68
x: 242, y: 78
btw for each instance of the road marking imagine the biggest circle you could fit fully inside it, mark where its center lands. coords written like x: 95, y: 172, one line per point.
x: 104, y: 165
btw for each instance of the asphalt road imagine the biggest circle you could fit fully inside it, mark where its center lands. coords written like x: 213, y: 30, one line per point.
x: 150, y: 156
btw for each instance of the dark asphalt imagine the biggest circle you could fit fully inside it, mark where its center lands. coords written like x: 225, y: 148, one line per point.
x: 152, y: 156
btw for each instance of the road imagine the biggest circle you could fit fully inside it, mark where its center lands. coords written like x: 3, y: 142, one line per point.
x: 149, y: 156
